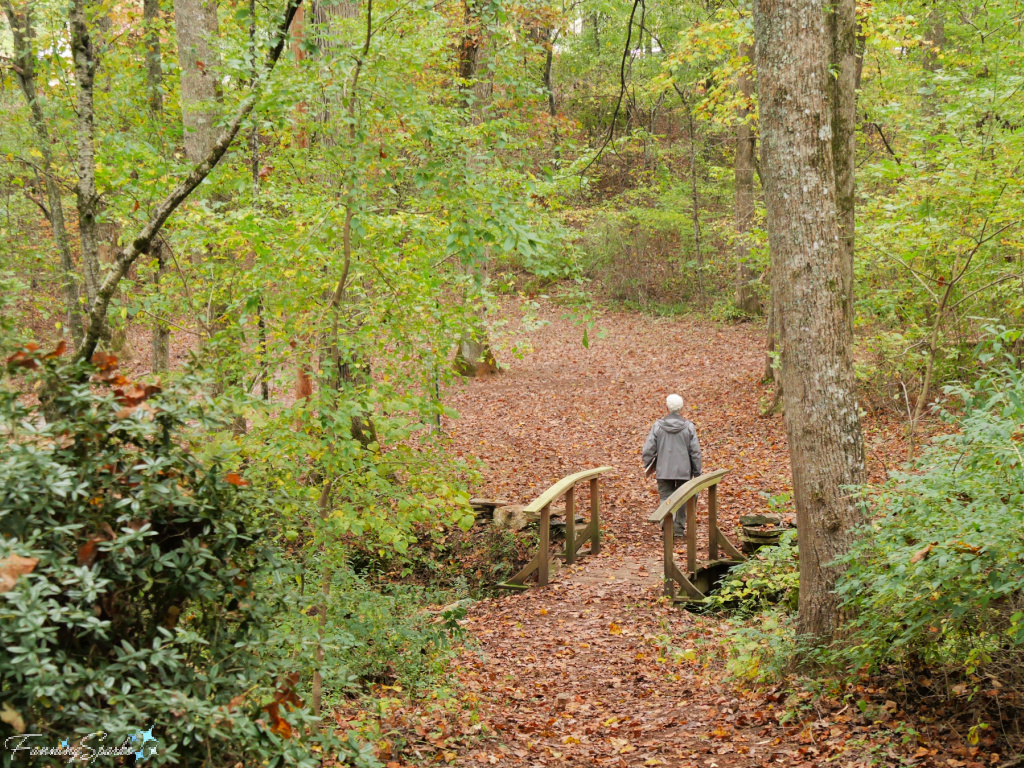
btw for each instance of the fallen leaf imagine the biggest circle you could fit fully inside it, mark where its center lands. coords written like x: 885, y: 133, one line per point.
x: 14, y: 566
x: 88, y: 551
x: 12, y: 717
x: 922, y: 553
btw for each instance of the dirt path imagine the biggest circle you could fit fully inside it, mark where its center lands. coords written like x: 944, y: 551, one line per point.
x: 596, y: 669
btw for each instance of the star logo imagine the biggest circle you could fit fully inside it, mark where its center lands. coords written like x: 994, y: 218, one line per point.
x: 142, y: 737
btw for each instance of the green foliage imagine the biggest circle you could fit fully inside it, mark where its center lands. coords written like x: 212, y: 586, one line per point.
x: 763, y: 648
x: 937, y: 577
x: 154, y: 590
x: 769, y: 577
x: 374, y: 634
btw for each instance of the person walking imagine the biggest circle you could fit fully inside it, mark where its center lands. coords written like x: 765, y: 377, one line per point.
x: 672, y: 452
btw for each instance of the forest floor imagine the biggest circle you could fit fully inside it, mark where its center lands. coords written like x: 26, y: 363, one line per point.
x: 596, y: 668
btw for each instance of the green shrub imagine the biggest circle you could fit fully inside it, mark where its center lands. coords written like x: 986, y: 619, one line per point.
x: 762, y: 648
x: 937, y: 577
x: 136, y: 592
x: 769, y: 577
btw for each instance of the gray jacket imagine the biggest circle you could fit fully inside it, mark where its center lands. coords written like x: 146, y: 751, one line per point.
x: 673, y: 443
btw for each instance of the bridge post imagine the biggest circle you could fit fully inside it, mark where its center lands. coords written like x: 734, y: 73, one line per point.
x: 570, y: 525
x: 691, y: 535
x: 545, y: 545
x: 595, y: 516
x: 668, y: 535
x: 713, y: 522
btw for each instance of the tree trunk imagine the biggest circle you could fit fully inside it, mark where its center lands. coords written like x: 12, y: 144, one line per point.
x: 746, y: 297
x: 474, y: 357
x: 842, y: 98
x: 550, y: 37
x: 473, y: 53
x: 25, y: 57
x: 196, y: 24
x: 812, y: 306
x: 932, y: 64
x: 87, y: 199
x: 161, y: 337
x: 154, y: 68
x: 695, y: 203
x: 770, y: 346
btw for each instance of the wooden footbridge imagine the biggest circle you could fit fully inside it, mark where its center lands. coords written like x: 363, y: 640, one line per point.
x: 695, y: 583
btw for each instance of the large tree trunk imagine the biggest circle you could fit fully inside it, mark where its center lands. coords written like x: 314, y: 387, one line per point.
x: 161, y: 339
x: 196, y: 24
x: 808, y: 286
x: 87, y: 198
x: 473, y: 356
x: 154, y: 66
x: 842, y: 102
x: 746, y: 295
x: 20, y: 22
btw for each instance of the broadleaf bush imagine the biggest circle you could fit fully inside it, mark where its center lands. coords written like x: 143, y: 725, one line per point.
x: 937, y: 577
x: 137, y: 590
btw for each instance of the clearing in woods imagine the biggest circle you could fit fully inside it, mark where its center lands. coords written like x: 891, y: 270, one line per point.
x: 595, y: 668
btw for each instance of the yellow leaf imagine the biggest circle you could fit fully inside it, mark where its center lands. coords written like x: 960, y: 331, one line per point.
x: 614, y: 629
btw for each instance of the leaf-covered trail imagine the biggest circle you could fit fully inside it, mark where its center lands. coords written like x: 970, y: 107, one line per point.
x: 595, y: 668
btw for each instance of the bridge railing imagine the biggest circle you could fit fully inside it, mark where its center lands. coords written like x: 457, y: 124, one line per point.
x: 591, y: 532
x: 686, y: 496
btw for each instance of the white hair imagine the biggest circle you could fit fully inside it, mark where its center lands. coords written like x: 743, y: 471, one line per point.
x: 674, y: 403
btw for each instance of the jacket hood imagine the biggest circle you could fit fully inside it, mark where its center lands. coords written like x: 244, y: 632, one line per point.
x: 673, y: 423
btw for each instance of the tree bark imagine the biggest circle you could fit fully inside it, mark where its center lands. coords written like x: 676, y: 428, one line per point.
x: 469, y: 50
x: 87, y: 199
x: 746, y: 297
x: 695, y: 202
x: 154, y: 67
x: 161, y: 336
x: 549, y: 43
x: 197, y: 28
x: 932, y: 64
x: 25, y: 59
x: 808, y: 286
x: 842, y: 98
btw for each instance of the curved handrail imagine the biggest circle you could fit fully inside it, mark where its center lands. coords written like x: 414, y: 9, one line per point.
x: 686, y: 496
x: 561, y: 487
x: 686, y: 492
x: 542, y: 504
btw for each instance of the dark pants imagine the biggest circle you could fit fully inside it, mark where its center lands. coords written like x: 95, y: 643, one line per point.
x: 665, y: 489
